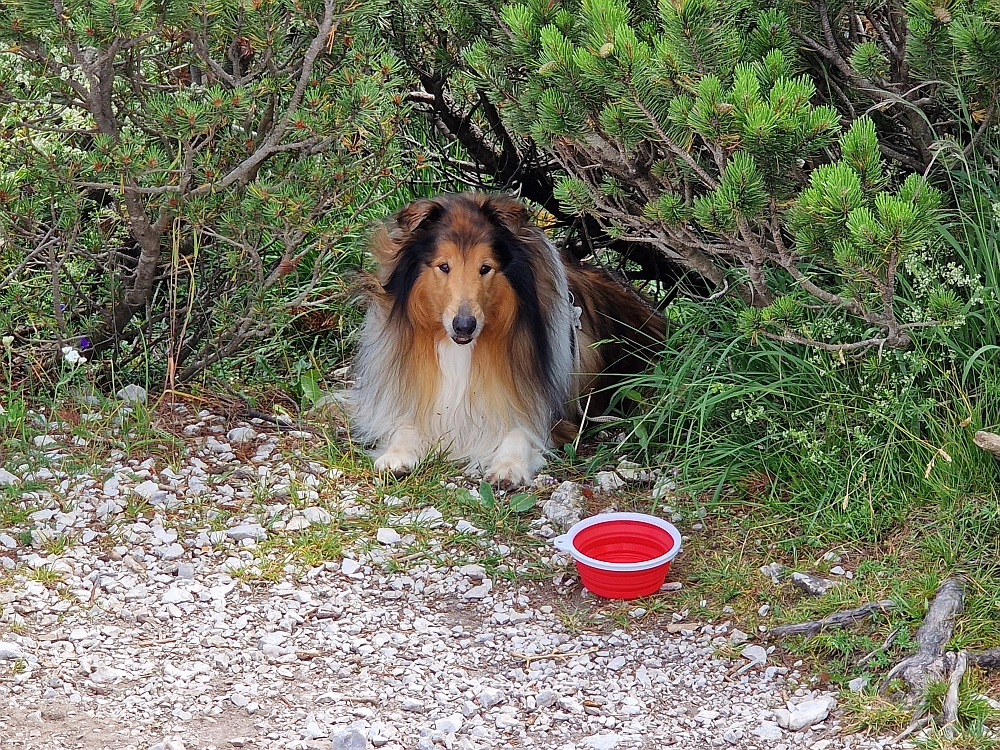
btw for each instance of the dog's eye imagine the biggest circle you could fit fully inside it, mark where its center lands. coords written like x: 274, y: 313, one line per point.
x: 444, y: 267
x: 485, y: 270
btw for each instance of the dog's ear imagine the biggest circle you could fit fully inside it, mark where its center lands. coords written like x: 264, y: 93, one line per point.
x: 506, y: 212
x: 390, y: 238
x: 412, y: 215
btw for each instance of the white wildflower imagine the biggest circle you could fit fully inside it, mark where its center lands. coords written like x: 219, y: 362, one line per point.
x: 71, y: 355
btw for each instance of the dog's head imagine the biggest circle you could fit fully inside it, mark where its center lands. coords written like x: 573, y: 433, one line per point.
x: 447, y: 263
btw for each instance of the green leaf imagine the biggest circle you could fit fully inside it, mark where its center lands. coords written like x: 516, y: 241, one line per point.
x: 309, y: 386
x: 523, y: 502
x: 486, y: 497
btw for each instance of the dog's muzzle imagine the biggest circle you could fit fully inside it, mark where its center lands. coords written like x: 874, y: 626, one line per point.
x: 463, y: 327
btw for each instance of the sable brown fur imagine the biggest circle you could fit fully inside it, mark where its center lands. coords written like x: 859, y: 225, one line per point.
x: 469, y: 344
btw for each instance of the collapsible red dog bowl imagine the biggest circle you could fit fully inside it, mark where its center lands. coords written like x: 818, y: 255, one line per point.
x: 621, y: 555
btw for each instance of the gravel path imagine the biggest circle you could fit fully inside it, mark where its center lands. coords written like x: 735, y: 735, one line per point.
x: 163, y: 631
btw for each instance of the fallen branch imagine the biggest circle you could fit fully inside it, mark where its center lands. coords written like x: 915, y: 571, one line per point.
x: 929, y: 664
x: 949, y: 710
x: 836, y: 620
x: 986, y: 659
x: 875, y: 652
x: 528, y: 658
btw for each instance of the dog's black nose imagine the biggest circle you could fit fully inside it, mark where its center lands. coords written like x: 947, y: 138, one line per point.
x: 464, y: 324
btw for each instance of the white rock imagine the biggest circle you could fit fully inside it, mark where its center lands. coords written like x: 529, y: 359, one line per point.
x: 133, y: 393
x: 104, y: 675
x: 348, y: 739
x: 473, y: 571
x: 601, y: 741
x: 464, y: 527
x: 297, y: 523
x: 608, y: 482
x: 807, y: 713
x: 317, y: 515
x: 7, y: 478
x: 175, y: 595
x: 44, y: 441
x: 241, y: 435
x: 617, y: 663
x: 768, y: 730
x: 10, y: 651
x: 489, y: 697
x: 388, y: 536
x: 247, y: 531
x: 412, y: 704
x: 146, y: 489
x: 170, y: 552
x: 755, y: 654
x: 6, y: 540
x: 479, y: 592
x: 449, y: 724
x: 857, y: 684
x: 566, y: 505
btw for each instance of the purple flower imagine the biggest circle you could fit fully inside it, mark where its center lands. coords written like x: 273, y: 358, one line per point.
x: 84, y: 343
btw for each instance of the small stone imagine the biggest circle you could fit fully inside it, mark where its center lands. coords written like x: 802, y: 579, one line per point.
x: 768, y: 730
x: 566, y: 505
x: 545, y: 698
x: 348, y: 739
x: 44, y: 441
x: 317, y: 515
x: 174, y: 595
x: 479, y: 592
x: 489, y: 697
x: 297, y: 523
x: 104, y: 675
x: 837, y: 570
x: 464, y: 527
x: 6, y: 478
x: 388, y: 536
x: 755, y: 654
x: 809, y: 712
x: 608, y: 482
x: 349, y: 567
x: 170, y: 552
x: 132, y: 393
x: 10, y: 651
x: 601, y: 741
x: 775, y: 571
x: 473, y: 571
x: 412, y: 704
x: 241, y: 435
x: 146, y: 489
x: 617, y: 663
x: 449, y: 724
x: 6, y: 540
x: 185, y: 571
x: 247, y: 531
x: 857, y: 684
x: 737, y: 637
x: 812, y: 585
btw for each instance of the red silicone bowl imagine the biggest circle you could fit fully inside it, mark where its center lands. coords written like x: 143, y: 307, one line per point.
x: 622, y: 555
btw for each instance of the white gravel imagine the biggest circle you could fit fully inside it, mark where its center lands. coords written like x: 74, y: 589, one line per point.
x: 160, y: 631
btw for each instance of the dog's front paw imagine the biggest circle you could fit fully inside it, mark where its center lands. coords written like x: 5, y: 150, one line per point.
x: 396, y: 462
x: 509, y: 473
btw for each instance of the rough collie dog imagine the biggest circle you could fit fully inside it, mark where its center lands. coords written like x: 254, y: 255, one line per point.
x: 479, y: 338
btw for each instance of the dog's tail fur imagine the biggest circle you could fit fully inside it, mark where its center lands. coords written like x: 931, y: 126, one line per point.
x: 620, y: 334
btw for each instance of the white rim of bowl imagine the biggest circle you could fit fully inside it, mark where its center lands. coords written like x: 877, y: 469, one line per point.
x: 564, y: 543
